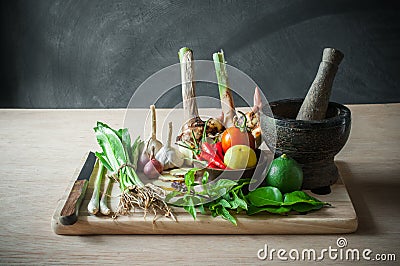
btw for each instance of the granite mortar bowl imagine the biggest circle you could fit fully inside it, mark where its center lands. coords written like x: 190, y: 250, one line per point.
x: 313, y: 144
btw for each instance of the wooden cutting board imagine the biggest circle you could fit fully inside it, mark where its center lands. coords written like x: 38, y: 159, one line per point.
x: 340, y: 218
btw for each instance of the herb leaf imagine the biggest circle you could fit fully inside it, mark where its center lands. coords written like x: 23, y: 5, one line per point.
x: 300, y: 197
x: 224, y: 203
x: 190, y: 177
x: 204, y: 179
x: 190, y: 207
x: 306, y: 207
x: 237, y: 202
x: 272, y: 209
x: 224, y: 183
x: 265, y: 196
x: 225, y: 214
x: 201, y: 209
x: 103, y: 159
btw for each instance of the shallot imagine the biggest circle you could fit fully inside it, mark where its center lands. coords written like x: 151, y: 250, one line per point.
x: 153, y: 168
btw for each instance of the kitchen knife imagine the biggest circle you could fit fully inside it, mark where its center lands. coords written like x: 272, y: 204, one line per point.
x: 69, y: 213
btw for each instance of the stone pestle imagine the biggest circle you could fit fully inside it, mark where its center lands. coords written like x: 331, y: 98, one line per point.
x: 315, y: 104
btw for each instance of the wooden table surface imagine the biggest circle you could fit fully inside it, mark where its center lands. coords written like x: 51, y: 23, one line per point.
x: 40, y: 149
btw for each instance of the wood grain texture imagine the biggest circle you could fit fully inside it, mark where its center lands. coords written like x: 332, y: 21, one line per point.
x: 73, y: 197
x: 340, y: 218
x: 41, y: 148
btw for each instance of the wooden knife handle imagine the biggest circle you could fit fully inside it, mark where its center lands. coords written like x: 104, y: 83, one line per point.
x: 69, y: 213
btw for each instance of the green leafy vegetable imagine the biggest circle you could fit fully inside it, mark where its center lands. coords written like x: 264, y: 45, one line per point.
x: 303, y: 207
x: 201, y: 209
x: 227, y: 193
x: 273, y: 209
x: 120, y: 157
x: 302, y: 202
x: 237, y: 202
x: 190, y: 177
x: 265, y: 196
x: 300, y: 197
x: 224, y: 213
x: 190, y: 207
x: 204, y: 179
x: 224, y: 203
x: 113, y: 141
x: 265, y: 199
x: 229, y: 197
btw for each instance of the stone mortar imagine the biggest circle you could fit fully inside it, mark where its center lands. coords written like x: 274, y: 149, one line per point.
x: 313, y: 144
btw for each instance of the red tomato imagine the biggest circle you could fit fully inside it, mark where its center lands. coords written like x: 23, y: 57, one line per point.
x: 234, y: 136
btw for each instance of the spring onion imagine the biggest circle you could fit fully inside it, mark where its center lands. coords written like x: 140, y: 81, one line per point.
x: 93, y: 206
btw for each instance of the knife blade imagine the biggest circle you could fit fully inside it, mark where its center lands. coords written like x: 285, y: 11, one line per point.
x: 70, y: 211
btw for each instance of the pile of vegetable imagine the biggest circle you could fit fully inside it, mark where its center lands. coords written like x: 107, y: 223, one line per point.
x: 234, y: 150
x: 210, y: 140
x: 227, y: 142
x: 225, y: 197
x: 120, y: 157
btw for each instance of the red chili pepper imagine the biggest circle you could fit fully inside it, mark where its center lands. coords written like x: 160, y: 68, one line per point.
x: 198, y: 157
x: 208, y: 152
x: 219, y: 150
x: 212, y: 165
x: 207, y: 147
x: 213, y: 158
x: 213, y: 149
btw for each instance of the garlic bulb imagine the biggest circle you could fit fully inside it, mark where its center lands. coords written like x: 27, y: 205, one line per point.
x: 153, y: 141
x: 187, y: 154
x: 169, y: 156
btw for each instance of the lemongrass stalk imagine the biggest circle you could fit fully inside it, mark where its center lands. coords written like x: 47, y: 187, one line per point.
x: 93, y: 206
x: 188, y: 85
x: 104, y: 209
x: 225, y: 94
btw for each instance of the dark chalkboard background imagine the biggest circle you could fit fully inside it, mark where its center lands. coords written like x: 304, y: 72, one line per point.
x: 88, y: 54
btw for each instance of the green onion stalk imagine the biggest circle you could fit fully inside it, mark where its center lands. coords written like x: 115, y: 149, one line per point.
x: 93, y: 206
x: 127, y: 176
x: 120, y: 158
x: 104, y: 208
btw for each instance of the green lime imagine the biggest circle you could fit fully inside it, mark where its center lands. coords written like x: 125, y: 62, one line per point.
x: 285, y: 174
